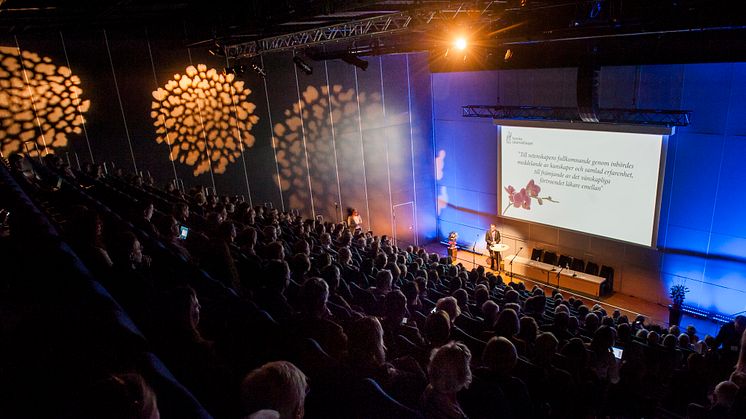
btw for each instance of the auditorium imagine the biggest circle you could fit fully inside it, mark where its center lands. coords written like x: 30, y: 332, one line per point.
x: 362, y: 209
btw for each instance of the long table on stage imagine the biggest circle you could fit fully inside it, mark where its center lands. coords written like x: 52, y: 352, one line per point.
x: 546, y: 273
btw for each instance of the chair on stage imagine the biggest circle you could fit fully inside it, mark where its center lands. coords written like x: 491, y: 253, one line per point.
x: 591, y: 268
x: 578, y: 265
x: 550, y: 258
x: 536, y: 254
x: 608, y: 273
x: 565, y: 261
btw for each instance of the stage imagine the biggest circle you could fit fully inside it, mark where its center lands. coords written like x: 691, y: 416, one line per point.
x: 627, y: 304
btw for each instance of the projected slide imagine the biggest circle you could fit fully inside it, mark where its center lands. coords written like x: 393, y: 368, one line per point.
x: 596, y: 182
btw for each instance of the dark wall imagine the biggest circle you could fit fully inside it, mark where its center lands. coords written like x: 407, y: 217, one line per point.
x: 340, y: 137
x: 702, y: 235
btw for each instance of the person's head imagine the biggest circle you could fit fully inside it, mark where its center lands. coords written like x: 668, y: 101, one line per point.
x: 395, y: 307
x: 653, y: 338
x: 227, y: 231
x: 462, y: 297
x: 277, y: 274
x: 493, y: 227
x: 529, y: 329
x: 125, y: 250
x: 278, y: 386
x: 183, y: 309
x: 381, y: 260
x: 275, y: 251
x: 481, y: 294
x: 145, y: 209
x: 725, y: 393
x: 603, y: 340
x: 438, y: 327
x: 168, y: 227
x: 181, y: 211
x: 314, y: 293
x: 740, y: 323
x: 344, y: 255
x: 269, y: 233
x: 449, y: 370
x: 591, y: 322
x: 511, y: 296
x: 545, y: 347
x: 450, y: 306
x: 670, y: 341
x: 490, y: 310
x: 500, y: 355
x: 365, y: 342
x: 121, y: 396
x: 507, y: 323
x: 331, y: 275
x: 384, y: 280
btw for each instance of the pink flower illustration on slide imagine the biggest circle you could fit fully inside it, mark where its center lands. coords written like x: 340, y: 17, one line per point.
x: 522, y: 198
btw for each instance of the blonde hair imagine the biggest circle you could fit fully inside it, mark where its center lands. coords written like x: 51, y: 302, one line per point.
x: 278, y: 385
x: 449, y: 369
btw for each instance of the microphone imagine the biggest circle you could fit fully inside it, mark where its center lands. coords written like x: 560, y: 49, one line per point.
x: 516, y: 255
x: 562, y: 268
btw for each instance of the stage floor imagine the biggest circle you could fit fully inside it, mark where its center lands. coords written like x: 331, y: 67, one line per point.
x: 627, y: 304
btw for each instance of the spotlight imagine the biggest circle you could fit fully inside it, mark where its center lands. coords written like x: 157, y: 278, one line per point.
x: 508, y: 55
x: 302, y: 65
x: 236, y: 70
x: 354, y: 60
x: 460, y: 43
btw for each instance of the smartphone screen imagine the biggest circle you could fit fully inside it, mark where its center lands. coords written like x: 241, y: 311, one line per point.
x: 617, y: 352
x: 183, y: 232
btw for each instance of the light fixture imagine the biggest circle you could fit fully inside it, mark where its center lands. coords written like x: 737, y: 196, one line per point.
x: 302, y: 65
x: 460, y: 43
x: 259, y: 71
x: 356, y: 61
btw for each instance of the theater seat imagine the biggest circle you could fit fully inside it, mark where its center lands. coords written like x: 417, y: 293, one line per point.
x: 536, y: 254
x: 591, y: 268
x: 578, y: 265
x: 565, y: 261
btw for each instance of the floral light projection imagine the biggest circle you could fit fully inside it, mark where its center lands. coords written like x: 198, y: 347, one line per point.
x: 39, y: 102
x: 204, y: 117
x: 317, y: 125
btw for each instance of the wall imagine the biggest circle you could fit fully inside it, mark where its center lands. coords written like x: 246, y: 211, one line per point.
x: 138, y: 99
x: 702, y: 235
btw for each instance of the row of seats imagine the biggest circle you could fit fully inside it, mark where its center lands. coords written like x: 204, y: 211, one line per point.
x: 577, y: 264
x: 75, y: 333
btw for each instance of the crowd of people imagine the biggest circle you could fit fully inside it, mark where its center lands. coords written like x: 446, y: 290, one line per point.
x: 317, y: 310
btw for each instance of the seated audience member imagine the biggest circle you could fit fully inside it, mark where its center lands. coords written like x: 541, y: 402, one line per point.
x: 270, y: 293
x: 450, y: 306
x: 128, y: 280
x: 314, y: 320
x: 395, y: 322
x: 449, y: 372
x: 219, y: 261
x: 339, y: 294
x: 366, y: 358
x: 120, y: 396
x: 85, y: 231
x: 384, y: 280
x: 437, y: 329
x: 499, y: 361
x: 179, y: 343
x: 723, y: 397
x: 276, y: 386
x: 143, y: 217
x: 168, y: 229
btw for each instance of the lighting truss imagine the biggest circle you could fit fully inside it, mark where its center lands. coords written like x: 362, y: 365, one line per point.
x: 378, y: 26
x: 654, y: 117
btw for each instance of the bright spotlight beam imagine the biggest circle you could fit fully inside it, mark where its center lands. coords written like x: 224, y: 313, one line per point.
x: 460, y: 43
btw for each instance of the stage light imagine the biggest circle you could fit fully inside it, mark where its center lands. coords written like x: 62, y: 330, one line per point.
x: 460, y: 43
x: 302, y: 65
x: 357, y: 62
x: 258, y: 70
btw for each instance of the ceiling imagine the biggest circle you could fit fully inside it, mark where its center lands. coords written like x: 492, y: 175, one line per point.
x: 538, y: 33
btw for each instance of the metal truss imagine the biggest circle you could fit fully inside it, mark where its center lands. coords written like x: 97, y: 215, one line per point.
x: 371, y: 27
x: 653, y: 117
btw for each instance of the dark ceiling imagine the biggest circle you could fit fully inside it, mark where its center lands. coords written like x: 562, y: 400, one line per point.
x: 538, y: 33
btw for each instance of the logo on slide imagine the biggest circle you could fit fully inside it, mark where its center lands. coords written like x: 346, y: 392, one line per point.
x: 522, y: 198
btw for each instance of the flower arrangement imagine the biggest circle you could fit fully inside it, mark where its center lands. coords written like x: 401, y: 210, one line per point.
x: 522, y: 198
x: 678, y: 294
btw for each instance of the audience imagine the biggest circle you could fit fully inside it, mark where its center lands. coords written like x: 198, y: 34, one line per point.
x: 270, y: 279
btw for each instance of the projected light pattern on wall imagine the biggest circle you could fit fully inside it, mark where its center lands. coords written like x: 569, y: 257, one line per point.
x: 40, y: 102
x: 205, y: 118
x: 311, y: 116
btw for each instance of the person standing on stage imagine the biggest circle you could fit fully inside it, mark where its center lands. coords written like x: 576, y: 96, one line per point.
x: 493, y: 237
x: 452, y: 247
x: 354, y: 220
